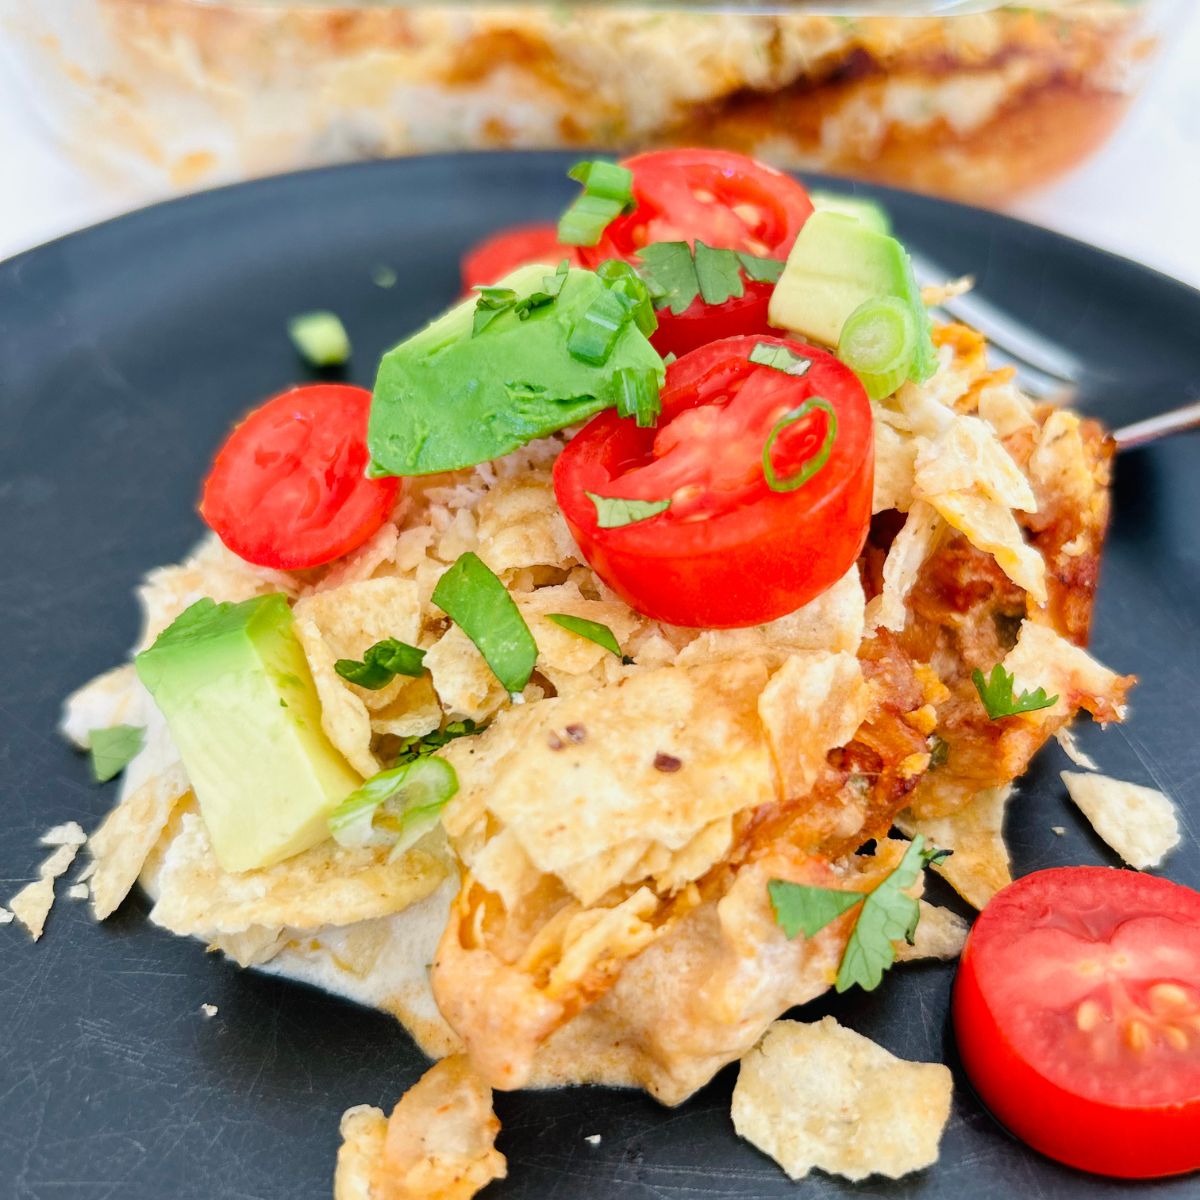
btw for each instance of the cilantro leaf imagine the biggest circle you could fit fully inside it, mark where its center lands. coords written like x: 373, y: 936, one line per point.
x: 676, y: 274
x: 718, y: 273
x: 493, y: 301
x: 799, y: 907
x: 381, y: 663
x: 594, y: 631
x: 761, y: 270
x: 614, y: 512
x: 426, y: 744
x: 996, y: 692
x: 888, y: 914
x: 670, y: 273
x: 113, y: 749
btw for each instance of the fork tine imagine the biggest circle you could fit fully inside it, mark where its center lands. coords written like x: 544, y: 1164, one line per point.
x: 1033, y: 382
x: 1022, y: 346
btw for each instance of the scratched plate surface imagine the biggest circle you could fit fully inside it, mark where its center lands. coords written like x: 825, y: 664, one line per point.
x: 125, y: 353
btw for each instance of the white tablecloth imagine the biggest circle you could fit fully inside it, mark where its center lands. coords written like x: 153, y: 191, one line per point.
x: 1139, y: 197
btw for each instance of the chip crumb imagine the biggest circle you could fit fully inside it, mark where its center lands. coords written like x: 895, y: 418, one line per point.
x: 941, y: 933
x: 79, y: 891
x: 1072, y: 749
x: 70, y: 833
x: 32, y: 904
x: 6, y: 918
x: 1139, y: 823
x: 208, y: 1011
x: 1059, y: 830
x: 820, y: 1095
x: 592, y: 1139
x: 363, y: 1130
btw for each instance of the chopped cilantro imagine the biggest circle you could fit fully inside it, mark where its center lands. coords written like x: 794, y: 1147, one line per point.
x: 381, y: 663
x: 614, y: 512
x: 996, y: 692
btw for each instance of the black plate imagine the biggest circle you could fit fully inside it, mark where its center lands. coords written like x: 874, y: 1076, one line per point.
x: 125, y: 352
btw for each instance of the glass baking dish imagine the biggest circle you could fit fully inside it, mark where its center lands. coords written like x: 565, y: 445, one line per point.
x: 972, y: 100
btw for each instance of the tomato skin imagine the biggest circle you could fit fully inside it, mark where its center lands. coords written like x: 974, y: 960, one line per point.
x: 761, y: 559
x: 496, y: 256
x: 664, y: 185
x: 288, y: 489
x: 1094, y: 1126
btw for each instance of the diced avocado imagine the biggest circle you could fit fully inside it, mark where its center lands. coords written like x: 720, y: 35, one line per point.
x: 445, y: 399
x: 867, y: 212
x: 235, y: 689
x: 836, y: 265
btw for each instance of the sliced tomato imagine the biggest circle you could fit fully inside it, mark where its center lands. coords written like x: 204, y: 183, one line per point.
x: 496, y: 256
x: 723, y: 199
x: 1077, y: 1012
x: 729, y: 550
x: 288, y: 489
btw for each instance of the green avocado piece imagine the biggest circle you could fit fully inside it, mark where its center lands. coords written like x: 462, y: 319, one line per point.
x: 445, y: 399
x: 235, y: 689
x: 867, y: 212
x: 837, y: 264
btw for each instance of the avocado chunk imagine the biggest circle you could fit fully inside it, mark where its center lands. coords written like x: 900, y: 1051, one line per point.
x: 235, y: 689
x: 447, y: 398
x: 867, y: 212
x: 837, y: 264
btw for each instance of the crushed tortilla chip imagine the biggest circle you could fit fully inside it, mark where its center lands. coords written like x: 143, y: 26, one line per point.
x: 79, y: 891
x: 895, y: 463
x: 933, y: 294
x: 979, y: 866
x: 968, y: 457
x: 811, y: 705
x: 325, y: 885
x: 364, y: 1130
x: 7, y: 916
x: 820, y: 1095
x: 918, y: 538
x: 441, y: 1138
x: 1006, y: 409
x: 32, y: 904
x: 1139, y: 823
x: 70, y: 833
x: 941, y: 933
x: 1043, y: 658
x: 109, y: 699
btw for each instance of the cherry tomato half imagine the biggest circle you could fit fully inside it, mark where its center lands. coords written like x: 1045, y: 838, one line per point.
x: 288, y: 489
x: 725, y: 200
x: 1077, y: 1011
x: 729, y: 551
x: 496, y: 256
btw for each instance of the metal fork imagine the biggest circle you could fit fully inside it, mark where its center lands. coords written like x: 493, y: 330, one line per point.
x: 1048, y: 372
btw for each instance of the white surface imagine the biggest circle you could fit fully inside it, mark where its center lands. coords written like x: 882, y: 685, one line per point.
x: 1139, y: 197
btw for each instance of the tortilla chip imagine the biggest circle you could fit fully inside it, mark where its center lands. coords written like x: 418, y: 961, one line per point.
x: 654, y: 759
x: 820, y: 1095
x: 923, y: 529
x: 362, y: 563
x: 979, y: 866
x: 968, y: 457
x: 1006, y: 409
x: 1139, y: 823
x: 31, y: 905
x: 1060, y: 464
x: 441, y: 1138
x: 992, y: 528
x: 70, y: 833
x: 326, y: 885
x: 364, y: 1131
x: 151, y: 788
x: 811, y: 705
x: 466, y: 686
x: 1043, y: 658
x: 941, y: 933
x: 933, y: 294
x: 253, y: 947
x: 520, y: 525
x: 895, y: 465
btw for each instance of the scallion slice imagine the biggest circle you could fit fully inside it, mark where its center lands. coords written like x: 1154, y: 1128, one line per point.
x: 626, y: 283
x: 815, y: 462
x: 479, y: 604
x: 596, y: 332
x: 878, y: 342
x: 636, y: 392
x: 594, y: 631
x: 395, y: 808
x: 320, y: 338
x: 607, y: 192
x: 381, y: 663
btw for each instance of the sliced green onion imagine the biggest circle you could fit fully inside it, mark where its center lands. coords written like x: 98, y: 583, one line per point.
x: 613, y: 512
x: 878, y: 342
x: 636, y: 391
x: 811, y: 465
x: 479, y: 604
x: 625, y: 282
x: 782, y: 358
x: 381, y: 663
x: 320, y: 338
x: 594, y: 631
x: 395, y: 808
x: 426, y: 743
x: 596, y: 332
x: 607, y: 192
